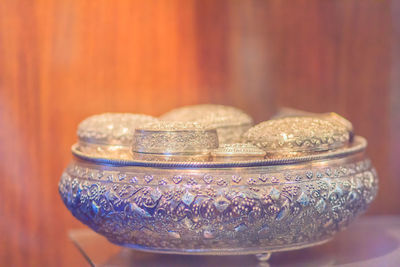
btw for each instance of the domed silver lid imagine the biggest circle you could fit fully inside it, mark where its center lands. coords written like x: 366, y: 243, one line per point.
x: 291, y: 135
x: 211, y: 115
x: 230, y: 122
x: 290, y: 112
x: 111, y: 128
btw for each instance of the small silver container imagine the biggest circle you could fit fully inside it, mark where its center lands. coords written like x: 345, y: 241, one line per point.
x: 174, y: 141
x: 237, y: 152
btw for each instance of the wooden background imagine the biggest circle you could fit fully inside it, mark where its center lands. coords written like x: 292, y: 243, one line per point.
x: 63, y: 60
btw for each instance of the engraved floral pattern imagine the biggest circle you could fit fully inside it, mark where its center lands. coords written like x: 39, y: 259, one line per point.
x: 218, y: 210
x: 298, y: 134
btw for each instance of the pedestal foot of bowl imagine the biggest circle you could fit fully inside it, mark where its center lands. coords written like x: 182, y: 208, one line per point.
x: 263, y: 257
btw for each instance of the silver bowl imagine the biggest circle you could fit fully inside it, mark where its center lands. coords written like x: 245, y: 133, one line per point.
x: 242, y: 207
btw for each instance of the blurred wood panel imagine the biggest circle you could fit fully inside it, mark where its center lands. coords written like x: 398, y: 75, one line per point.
x: 61, y: 61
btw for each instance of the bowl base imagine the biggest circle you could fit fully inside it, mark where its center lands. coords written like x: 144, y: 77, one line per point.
x: 263, y: 257
x: 259, y: 252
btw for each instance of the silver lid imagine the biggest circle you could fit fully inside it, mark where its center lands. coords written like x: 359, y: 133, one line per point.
x: 288, y: 135
x: 230, y: 122
x: 111, y: 128
x: 291, y: 112
x: 211, y: 115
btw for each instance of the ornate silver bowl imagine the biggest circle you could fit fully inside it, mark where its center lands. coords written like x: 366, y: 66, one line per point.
x: 254, y: 206
x: 244, y: 207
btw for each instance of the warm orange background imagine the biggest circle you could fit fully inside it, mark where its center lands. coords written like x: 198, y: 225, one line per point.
x: 63, y: 60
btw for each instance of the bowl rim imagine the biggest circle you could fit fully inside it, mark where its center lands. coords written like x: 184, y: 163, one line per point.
x: 358, y: 145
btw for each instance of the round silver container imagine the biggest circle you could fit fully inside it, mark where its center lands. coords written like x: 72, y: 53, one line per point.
x: 174, y: 141
x: 241, y: 207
